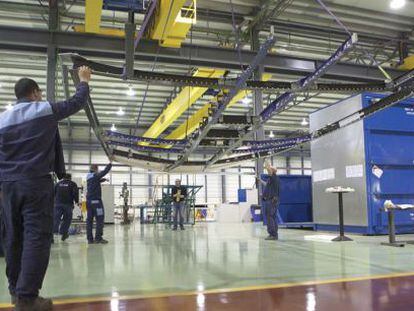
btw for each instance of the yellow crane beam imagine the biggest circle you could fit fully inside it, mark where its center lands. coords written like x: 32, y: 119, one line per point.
x: 93, y: 14
x: 190, y: 125
x: 193, y: 123
x: 102, y: 31
x: 184, y: 100
x: 408, y: 63
x: 173, y: 21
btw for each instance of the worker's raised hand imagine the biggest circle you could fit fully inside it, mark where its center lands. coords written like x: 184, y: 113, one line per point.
x: 84, y: 73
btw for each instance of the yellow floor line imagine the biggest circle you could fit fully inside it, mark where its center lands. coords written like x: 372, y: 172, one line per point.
x: 223, y: 290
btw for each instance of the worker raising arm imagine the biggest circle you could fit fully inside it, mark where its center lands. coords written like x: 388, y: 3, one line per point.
x: 30, y: 149
x: 94, y: 205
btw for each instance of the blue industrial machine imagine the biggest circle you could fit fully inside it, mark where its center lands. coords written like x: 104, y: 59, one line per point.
x: 125, y: 5
x: 375, y: 157
x: 295, y: 206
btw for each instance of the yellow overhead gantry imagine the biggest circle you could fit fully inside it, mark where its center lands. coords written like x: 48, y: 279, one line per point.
x: 173, y: 21
x: 193, y: 123
x: 171, y: 24
x: 184, y: 100
x: 408, y: 63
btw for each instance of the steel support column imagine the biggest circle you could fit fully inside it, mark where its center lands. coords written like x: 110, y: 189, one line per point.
x: 52, y: 50
x: 258, y: 108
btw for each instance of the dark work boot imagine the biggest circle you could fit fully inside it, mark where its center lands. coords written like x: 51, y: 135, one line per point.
x: 33, y: 304
x: 182, y: 228
x: 271, y: 238
x: 101, y: 241
x: 64, y: 237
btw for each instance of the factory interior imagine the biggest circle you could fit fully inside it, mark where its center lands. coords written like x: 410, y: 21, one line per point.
x: 229, y: 155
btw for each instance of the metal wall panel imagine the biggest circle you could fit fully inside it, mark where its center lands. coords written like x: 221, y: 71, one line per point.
x: 337, y: 150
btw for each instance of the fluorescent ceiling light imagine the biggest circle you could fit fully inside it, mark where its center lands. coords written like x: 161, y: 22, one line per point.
x: 304, y: 122
x: 271, y: 135
x: 130, y: 91
x: 120, y: 112
x: 113, y: 128
x: 246, y: 100
x: 397, y: 4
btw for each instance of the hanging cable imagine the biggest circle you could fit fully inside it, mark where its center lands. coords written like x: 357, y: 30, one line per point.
x: 338, y: 21
x: 236, y: 34
x: 152, y: 70
x: 189, y: 88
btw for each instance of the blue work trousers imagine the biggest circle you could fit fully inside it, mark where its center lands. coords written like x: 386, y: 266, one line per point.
x: 96, y: 211
x: 1, y: 229
x: 63, y: 218
x: 178, y: 213
x: 28, y: 232
x: 271, y: 213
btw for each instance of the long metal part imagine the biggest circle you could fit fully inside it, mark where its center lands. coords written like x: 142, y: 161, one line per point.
x: 137, y: 139
x: 241, y: 81
x: 303, y: 84
x: 282, y: 101
x: 92, y: 117
x: 142, y: 148
x: 217, y: 83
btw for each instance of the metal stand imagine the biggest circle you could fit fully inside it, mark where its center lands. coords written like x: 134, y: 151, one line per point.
x: 391, y: 231
x: 341, y: 237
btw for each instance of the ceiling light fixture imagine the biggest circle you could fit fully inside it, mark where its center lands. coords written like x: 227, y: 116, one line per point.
x: 120, y: 112
x: 113, y: 128
x: 271, y: 134
x: 130, y: 91
x: 397, y: 4
x: 246, y: 100
x: 304, y: 122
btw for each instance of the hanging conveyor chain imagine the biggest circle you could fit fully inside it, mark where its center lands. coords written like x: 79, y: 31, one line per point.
x: 240, y: 149
x: 223, y: 83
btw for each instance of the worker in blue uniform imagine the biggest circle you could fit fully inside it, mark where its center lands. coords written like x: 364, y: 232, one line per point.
x: 270, y: 199
x: 1, y: 226
x: 30, y: 150
x: 179, y: 195
x: 94, y: 205
x: 66, y: 195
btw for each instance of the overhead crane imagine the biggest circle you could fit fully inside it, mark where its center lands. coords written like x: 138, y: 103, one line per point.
x: 129, y: 150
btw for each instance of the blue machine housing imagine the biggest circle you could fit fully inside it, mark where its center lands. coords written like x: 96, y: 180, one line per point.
x: 389, y: 144
x: 295, y: 206
x: 124, y: 5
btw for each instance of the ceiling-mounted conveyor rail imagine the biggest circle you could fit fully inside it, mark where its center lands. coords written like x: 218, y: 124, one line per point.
x: 135, y: 147
x: 92, y: 117
x: 404, y: 92
x: 140, y: 139
x: 223, y: 83
x: 260, y: 149
x: 228, y: 97
x: 283, y: 100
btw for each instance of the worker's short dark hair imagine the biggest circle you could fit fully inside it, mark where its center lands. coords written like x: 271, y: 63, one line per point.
x: 25, y: 87
x: 93, y: 167
x: 68, y: 176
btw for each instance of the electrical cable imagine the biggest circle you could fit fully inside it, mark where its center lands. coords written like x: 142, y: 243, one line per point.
x: 152, y: 69
x: 338, y: 21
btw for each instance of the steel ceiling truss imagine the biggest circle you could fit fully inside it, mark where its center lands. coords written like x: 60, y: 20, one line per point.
x: 402, y: 88
x: 282, y: 101
x: 223, y: 83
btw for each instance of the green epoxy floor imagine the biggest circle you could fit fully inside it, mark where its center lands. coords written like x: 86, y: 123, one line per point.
x: 151, y: 259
